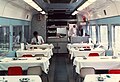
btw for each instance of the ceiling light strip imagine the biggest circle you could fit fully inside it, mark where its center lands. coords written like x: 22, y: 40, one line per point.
x: 43, y: 12
x: 75, y: 12
x: 86, y: 4
x: 33, y: 4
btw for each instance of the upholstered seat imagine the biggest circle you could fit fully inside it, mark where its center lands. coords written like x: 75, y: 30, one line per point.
x: 93, y: 54
x: 39, y: 55
x: 86, y: 70
x: 114, y: 71
x: 27, y: 55
x: 35, y: 70
x: 15, y: 70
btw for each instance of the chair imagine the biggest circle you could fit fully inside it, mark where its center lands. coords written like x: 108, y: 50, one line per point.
x: 27, y: 55
x: 39, y: 55
x: 84, y: 47
x: 86, y: 70
x: 35, y: 48
x: 87, y: 46
x: 114, y: 71
x: 93, y: 54
x: 35, y: 70
x: 15, y: 70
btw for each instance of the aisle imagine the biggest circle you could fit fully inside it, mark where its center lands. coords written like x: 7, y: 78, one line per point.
x: 60, y: 74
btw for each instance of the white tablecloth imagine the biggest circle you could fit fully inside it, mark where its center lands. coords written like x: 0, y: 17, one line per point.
x: 107, y: 78
x: 99, y: 63
x: 41, y: 46
x: 75, y: 53
x: 46, y: 52
x: 25, y: 63
x: 32, y: 78
x: 69, y: 46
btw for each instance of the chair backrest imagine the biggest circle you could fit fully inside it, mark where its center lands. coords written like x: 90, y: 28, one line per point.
x: 35, y: 70
x: 114, y: 71
x: 27, y: 55
x: 84, y: 46
x: 93, y: 54
x: 87, y: 46
x: 15, y: 70
x: 39, y: 55
x: 86, y: 70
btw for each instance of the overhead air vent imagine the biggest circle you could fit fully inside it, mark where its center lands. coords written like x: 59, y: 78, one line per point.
x: 104, y: 12
x: 27, y: 16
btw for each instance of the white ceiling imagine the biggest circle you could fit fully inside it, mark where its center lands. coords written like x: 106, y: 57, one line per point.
x: 21, y: 4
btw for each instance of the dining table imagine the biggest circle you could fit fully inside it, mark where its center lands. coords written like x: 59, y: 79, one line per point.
x: 21, y: 78
x: 24, y: 62
x: 46, y: 52
x: 102, y: 78
x: 45, y: 45
x: 75, y: 52
x: 98, y: 63
x: 72, y: 45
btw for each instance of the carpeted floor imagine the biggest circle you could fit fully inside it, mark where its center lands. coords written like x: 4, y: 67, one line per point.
x: 61, y: 74
x: 61, y: 69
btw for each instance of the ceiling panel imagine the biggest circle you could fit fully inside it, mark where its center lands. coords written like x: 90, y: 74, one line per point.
x: 59, y: 6
x: 59, y: 1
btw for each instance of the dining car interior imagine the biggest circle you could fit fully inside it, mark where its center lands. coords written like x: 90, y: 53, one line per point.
x: 59, y: 41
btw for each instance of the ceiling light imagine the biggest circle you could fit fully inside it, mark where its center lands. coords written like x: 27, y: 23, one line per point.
x: 87, y: 3
x: 75, y: 12
x: 33, y: 4
x: 43, y: 12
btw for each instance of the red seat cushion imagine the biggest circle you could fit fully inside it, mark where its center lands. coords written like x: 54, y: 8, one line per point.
x: 16, y: 70
x: 93, y: 54
x: 114, y: 71
x: 87, y: 46
x: 27, y: 55
x: 84, y: 47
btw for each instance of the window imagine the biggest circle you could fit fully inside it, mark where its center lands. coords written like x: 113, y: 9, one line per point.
x: 113, y: 36
x: 93, y: 33
x: 16, y: 31
x: 4, y: 38
x: 88, y: 30
x: 23, y: 33
x: 117, y: 37
x: 104, y: 36
x: 27, y: 33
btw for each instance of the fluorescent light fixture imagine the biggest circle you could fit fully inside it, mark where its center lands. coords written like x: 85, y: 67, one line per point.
x: 87, y: 3
x: 43, y: 12
x: 33, y: 4
x: 75, y: 12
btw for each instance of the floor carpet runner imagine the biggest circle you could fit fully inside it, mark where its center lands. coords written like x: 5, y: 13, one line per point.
x: 60, y: 74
